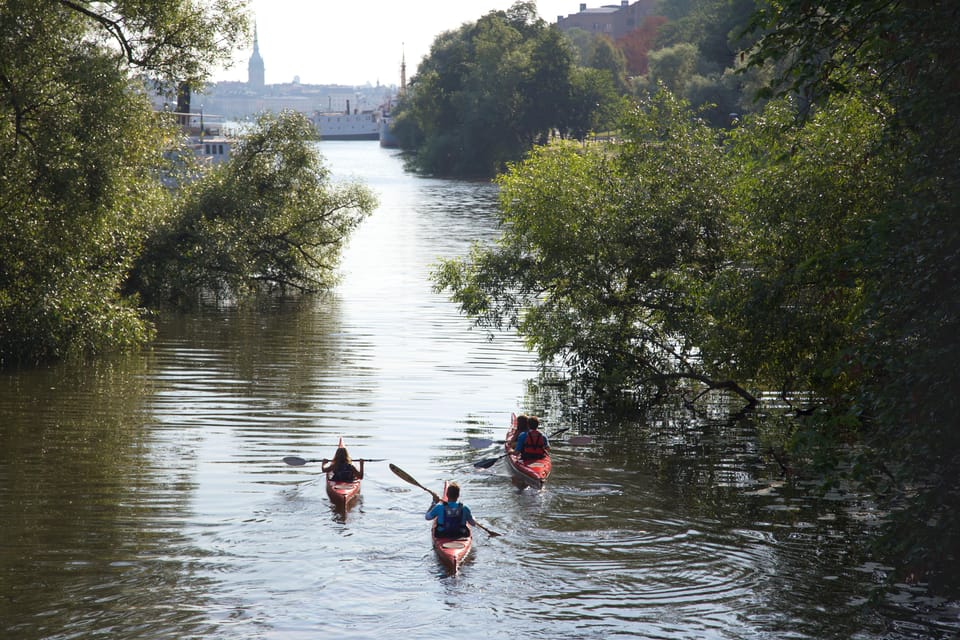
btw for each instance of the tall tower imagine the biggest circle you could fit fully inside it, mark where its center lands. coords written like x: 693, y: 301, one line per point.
x: 255, y: 71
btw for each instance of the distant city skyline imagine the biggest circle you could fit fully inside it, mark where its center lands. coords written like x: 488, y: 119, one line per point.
x: 359, y: 43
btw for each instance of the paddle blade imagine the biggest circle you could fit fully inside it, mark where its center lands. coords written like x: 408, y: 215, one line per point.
x: 295, y: 461
x: 579, y: 440
x: 403, y: 475
x: 409, y: 478
x: 486, y: 463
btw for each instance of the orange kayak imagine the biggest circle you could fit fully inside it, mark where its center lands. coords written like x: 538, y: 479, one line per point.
x: 533, y: 473
x: 451, y: 551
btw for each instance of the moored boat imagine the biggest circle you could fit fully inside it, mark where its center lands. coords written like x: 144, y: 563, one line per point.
x: 533, y: 473
x: 388, y: 139
x: 359, y: 125
x: 342, y: 494
x: 451, y: 551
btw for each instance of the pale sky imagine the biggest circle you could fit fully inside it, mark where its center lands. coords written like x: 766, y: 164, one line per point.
x: 355, y: 42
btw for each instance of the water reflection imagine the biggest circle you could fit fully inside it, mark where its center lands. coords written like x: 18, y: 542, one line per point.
x: 146, y: 497
x: 91, y: 523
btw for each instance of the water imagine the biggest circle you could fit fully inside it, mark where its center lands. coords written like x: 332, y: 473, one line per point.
x: 145, y: 496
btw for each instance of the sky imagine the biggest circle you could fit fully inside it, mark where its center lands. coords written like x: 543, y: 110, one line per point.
x: 356, y: 42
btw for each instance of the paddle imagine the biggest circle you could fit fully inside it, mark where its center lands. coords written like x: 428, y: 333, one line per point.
x: 486, y: 463
x: 297, y: 461
x: 483, y: 443
x: 409, y: 478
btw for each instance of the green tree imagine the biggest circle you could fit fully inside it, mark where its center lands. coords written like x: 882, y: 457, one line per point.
x: 601, y: 255
x: 673, y: 67
x: 594, y: 106
x: 907, y: 384
x: 486, y: 93
x: 268, y: 219
x: 782, y: 307
x: 607, y: 57
x: 79, y: 152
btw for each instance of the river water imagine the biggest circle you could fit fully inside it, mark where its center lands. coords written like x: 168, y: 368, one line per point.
x: 145, y: 496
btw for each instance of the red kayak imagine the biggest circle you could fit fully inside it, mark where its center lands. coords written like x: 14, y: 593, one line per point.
x: 342, y: 494
x: 451, y: 551
x: 533, y: 473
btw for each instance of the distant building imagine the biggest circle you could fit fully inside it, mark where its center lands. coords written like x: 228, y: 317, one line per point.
x: 256, y: 74
x: 237, y: 100
x: 610, y: 20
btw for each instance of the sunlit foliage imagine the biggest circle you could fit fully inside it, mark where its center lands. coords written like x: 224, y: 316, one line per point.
x: 493, y: 88
x: 79, y: 149
x: 268, y: 220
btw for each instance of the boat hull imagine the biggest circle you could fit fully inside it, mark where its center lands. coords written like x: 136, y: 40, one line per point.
x: 342, y: 494
x: 452, y: 551
x: 347, y: 126
x: 533, y: 473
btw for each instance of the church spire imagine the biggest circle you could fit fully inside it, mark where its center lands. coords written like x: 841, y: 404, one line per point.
x: 255, y: 70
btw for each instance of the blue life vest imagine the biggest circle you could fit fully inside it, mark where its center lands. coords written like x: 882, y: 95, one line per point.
x: 452, y: 523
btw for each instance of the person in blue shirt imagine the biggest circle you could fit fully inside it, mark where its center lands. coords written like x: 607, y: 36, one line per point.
x: 452, y: 516
x: 531, y: 444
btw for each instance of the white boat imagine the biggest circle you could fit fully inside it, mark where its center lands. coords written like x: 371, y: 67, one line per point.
x: 208, y: 138
x: 361, y: 125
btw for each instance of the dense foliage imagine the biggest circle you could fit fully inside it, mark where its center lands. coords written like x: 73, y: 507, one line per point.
x: 89, y: 228
x: 904, y: 385
x: 78, y: 148
x: 812, y: 251
x: 491, y: 89
x: 268, y: 219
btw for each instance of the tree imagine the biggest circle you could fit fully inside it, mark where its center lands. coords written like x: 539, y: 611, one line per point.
x: 906, y: 383
x: 594, y: 106
x: 486, y: 93
x: 781, y: 306
x: 636, y: 45
x: 601, y: 255
x: 607, y: 57
x: 266, y: 219
x: 673, y: 67
x: 79, y: 151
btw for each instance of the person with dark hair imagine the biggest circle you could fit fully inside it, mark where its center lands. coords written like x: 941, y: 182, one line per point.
x: 342, y: 467
x: 521, y: 428
x: 531, y: 444
x: 452, y: 516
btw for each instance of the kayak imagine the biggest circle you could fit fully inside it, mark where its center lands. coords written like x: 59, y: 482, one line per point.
x: 341, y: 493
x: 533, y: 473
x: 451, y: 551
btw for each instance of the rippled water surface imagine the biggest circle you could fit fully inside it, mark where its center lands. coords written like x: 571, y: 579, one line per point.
x: 146, y: 497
